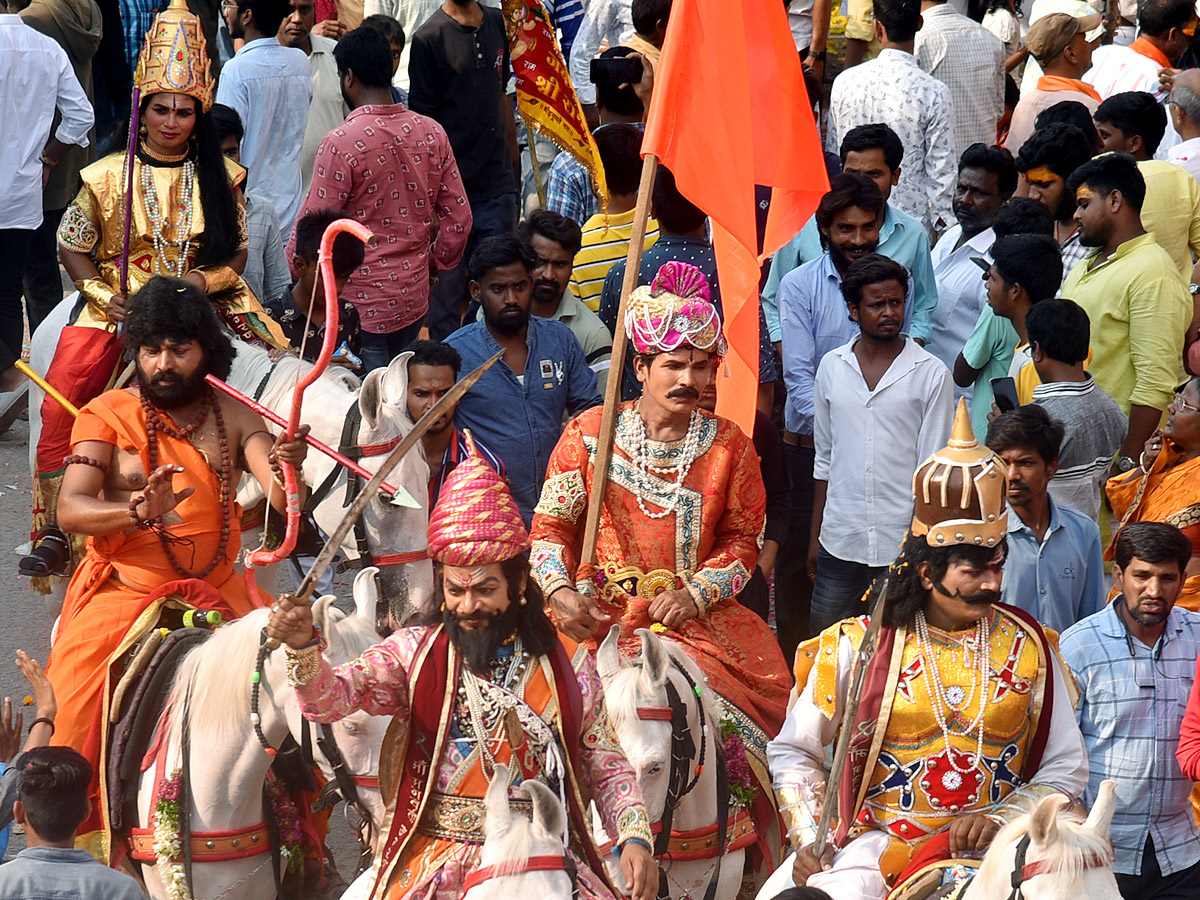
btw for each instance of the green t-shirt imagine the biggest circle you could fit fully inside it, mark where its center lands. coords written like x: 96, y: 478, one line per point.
x: 990, y: 350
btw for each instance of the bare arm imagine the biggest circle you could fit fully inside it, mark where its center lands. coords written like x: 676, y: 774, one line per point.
x: 964, y: 374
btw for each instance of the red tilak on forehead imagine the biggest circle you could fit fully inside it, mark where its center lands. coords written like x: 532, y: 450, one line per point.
x: 465, y: 578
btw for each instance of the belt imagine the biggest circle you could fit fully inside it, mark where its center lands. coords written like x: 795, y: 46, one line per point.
x: 614, y: 579
x: 794, y: 439
x: 455, y: 818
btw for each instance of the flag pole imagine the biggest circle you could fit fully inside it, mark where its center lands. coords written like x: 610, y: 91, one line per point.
x: 612, y: 391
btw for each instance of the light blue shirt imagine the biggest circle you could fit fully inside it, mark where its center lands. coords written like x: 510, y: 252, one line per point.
x: 1131, y: 704
x: 271, y: 87
x: 901, y: 237
x: 40, y: 873
x: 813, y: 320
x: 1061, y: 580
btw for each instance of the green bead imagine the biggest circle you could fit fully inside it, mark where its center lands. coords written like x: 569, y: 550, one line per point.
x: 256, y: 677
x: 696, y: 688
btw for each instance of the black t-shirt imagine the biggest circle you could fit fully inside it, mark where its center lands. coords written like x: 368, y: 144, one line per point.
x: 457, y: 76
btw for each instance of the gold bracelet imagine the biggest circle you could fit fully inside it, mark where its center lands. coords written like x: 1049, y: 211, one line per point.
x: 302, y: 665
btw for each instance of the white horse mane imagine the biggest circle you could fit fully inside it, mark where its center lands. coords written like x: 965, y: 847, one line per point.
x: 1068, y: 858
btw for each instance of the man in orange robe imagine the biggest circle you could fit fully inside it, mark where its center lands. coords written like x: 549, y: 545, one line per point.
x: 151, y: 480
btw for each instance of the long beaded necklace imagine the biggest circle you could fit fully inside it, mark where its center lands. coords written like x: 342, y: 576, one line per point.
x: 158, y: 226
x: 155, y: 424
x: 476, y: 704
x: 642, y: 465
x: 955, y: 697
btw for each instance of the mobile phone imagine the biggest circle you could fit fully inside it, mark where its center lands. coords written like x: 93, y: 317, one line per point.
x: 616, y: 71
x: 1004, y: 391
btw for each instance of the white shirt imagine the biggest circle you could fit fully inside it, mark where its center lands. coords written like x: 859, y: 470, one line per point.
x: 610, y: 20
x: 869, y: 443
x: 891, y: 88
x: 1187, y: 154
x: 35, y: 79
x: 799, y: 13
x: 328, y: 109
x: 1117, y: 70
x: 411, y: 14
x: 961, y: 290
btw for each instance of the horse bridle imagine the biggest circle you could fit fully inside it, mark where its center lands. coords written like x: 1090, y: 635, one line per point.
x: 548, y: 863
x: 1023, y: 871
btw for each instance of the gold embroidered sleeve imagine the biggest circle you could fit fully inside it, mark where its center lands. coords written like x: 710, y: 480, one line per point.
x: 78, y: 230
x: 564, y: 496
x: 218, y: 278
x: 634, y: 823
x: 548, y: 562
x: 800, y: 806
x: 601, y: 735
x: 243, y: 229
x: 1021, y: 802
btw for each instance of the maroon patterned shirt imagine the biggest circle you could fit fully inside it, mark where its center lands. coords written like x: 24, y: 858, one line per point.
x: 393, y: 170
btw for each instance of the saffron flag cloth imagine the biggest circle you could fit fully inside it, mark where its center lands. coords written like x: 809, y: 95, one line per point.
x: 546, y: 98
x: 729, y: 112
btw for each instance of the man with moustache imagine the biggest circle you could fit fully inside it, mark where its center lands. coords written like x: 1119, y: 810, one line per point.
x: 151, y: 480
x: 1134, y: 664
x: 483, y: 682
x: 966, y: 722
x: 519, y: 404
x: 881, y: 404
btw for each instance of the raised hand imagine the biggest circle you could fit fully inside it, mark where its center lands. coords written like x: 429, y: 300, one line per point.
x: 159, y: 497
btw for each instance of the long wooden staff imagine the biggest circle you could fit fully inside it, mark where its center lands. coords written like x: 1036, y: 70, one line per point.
x: 612, y: 390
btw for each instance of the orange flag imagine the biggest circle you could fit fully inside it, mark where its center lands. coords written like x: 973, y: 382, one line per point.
x: 730, y: 111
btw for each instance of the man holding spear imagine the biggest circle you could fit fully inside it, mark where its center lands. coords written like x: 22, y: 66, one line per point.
x: 963, y: 720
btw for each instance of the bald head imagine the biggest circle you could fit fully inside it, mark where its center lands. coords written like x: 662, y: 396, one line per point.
x: 1185, y: 103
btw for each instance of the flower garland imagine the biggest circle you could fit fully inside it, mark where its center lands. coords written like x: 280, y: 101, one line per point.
x: 168, y: 844
x: 743, y: 786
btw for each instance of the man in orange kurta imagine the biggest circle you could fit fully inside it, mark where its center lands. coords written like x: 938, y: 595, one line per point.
x: 683, y: 509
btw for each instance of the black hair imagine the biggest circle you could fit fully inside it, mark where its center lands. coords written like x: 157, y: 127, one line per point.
x: 219, y: 240
x: 1061, y: 329
x: 846, y: 190
x: 1021, y: 215
x: 1071, y: 112
x: 1027, y: 426
x: 268, y: 14
x: 391, y: 29
x: 348, y: 250
x: 434, y: 353
x: 991, y: 159
x: 1135, y: 112
x: 1059, y: 146
x: 676, y: 214
x: 1152, y: 542
x: 899, y: 18
x: 906, y: 595
x: 171, y: 309
x: 622, y: 100
x: 52, y: 785
x: 1157, y: 17
x: 367, y: 53
x: 226, y: 122
x: 871, y: 137
x: 802, y: 893
x: 496, y: 251
x: 553, y: 226
x: 1111, y: 172
x: 646, y: 14
x: 620, y: 146
x: 1012, y: 93
x: 1034, y: 261
x: 872, y: 269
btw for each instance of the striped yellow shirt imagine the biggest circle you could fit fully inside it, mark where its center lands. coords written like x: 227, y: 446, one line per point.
x: 605, y: 240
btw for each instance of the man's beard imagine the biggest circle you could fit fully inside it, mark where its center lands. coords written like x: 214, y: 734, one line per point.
x: 546, y: 292
x: 841, y: 260
x: 170, y: 390
x: 509, y: 324
x: 478, y: 645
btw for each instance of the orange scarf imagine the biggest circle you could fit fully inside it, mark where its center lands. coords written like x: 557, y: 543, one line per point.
x: 1059, y: 83
x: 1148, y: 50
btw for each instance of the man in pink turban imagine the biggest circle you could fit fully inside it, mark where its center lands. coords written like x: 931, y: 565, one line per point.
x: 485, y: 681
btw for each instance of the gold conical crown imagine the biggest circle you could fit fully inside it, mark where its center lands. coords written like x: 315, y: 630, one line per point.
x: 174, y: 58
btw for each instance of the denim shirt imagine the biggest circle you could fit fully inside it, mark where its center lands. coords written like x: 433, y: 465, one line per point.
x: 522, y: 422
x: 60, y: 873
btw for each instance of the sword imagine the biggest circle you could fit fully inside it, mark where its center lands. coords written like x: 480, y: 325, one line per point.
x: 866, y: 651
x: 329, y: 551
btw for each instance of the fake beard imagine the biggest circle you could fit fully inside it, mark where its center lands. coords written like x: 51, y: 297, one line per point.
x: 477, y: 645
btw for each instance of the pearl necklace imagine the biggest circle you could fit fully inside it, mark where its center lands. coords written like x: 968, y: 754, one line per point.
x: 157, y: 225
x: 981, y: 673
x: 642, y: 467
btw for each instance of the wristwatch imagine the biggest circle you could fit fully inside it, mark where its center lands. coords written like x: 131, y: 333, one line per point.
x: 1125, y: 463
x: 1194, y: 289
x: 818, y: 54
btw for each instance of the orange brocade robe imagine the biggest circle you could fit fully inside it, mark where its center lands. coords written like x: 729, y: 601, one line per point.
x: 709, y: 545
x: 104, y: 598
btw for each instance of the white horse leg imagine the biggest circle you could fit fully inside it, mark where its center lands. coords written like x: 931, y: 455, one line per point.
x: 779, y: 880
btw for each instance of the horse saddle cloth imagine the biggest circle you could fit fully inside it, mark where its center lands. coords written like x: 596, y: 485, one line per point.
x: 140, y: 702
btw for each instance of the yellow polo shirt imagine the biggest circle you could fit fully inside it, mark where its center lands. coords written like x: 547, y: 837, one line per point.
x: 1171, y: 211
x: 605, y: 240
x: 1139, y: 307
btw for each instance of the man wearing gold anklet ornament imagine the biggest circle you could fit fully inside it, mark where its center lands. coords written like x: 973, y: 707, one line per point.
x: 965, y: 718
x: 151, y: 480
x: 483, y: 683
x: 683, y: 510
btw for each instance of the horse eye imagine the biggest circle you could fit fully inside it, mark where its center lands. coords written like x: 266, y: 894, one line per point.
x: 350, y: 727
x: 655, y: 769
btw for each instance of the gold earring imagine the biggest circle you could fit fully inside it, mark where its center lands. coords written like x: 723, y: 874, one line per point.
x: 523, y: 600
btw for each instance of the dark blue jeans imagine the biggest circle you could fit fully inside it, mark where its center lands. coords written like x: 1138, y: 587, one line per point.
x: 1152, y: 884
x: 793, y: 590
x: 838, y: 590
x: 380, y: 349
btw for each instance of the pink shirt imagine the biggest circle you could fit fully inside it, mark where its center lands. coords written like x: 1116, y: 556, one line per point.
x: 394, y: 171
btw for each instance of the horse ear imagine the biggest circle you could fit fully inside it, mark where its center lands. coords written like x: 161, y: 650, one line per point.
x: 608, y: 662
x: 370, y: 398
x: 366, y: 593
x: 547, y: 810
x: 1100, y: 816
x: 497, y: 817
x: 654, y: 659
x: 321, y: 612
x: 395, y: 380
x: 1043, y: 824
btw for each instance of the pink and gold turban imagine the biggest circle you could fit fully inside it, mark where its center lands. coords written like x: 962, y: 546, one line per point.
x: 673, y: 310
x: 476, y: 520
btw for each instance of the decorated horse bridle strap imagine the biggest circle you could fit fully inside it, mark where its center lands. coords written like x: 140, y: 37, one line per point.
x: 533, y: 864
x: 654, y: 713
x: 1023, y: 871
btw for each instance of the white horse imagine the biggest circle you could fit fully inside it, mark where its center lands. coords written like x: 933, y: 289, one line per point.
x: 640, y: 709
x: 228, y: 764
